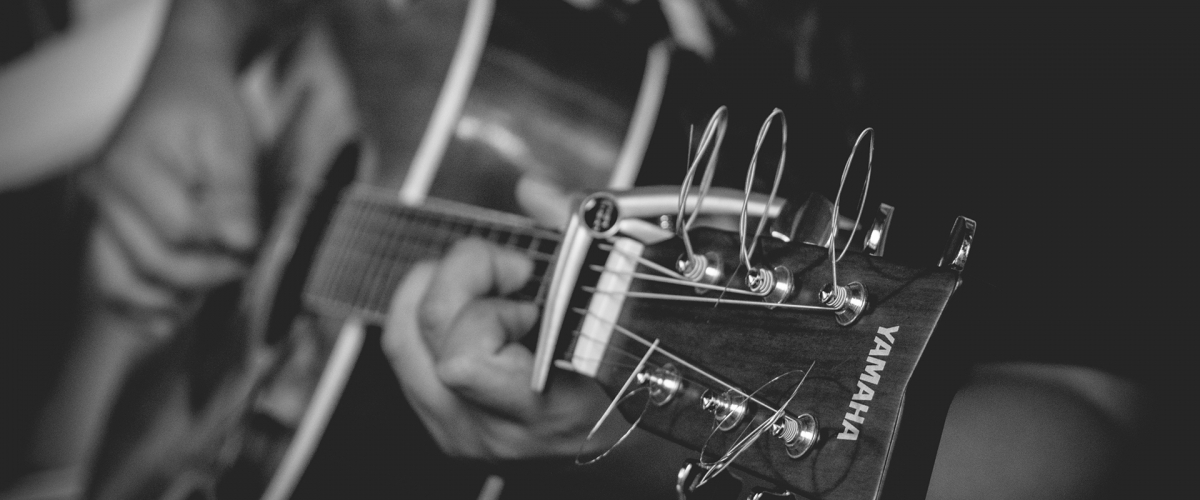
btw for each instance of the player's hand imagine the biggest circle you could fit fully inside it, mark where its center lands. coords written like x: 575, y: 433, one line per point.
x: 176, y: 197
x: 452, y: 340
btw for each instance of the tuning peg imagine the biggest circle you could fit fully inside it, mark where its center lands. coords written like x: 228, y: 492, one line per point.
x: 848, y: 302
x: 774, y: 286
x: 961, y: 234
x: 876, y: 237
x: 727, y: 408
x: 685, y: 480
x: 664, y: 382
x: 798, y: 434
x: 761, y: 494
x: 688, y: 487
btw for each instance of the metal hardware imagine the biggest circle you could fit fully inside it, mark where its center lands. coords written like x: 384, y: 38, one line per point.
x: 702, y: 268
x: 729, y: 407
x: 961, y: 235
x: 876, y: 237
x: 685, y: 480
x: 847, y: 301
x: 773, y: 285
x: 600, y: 214
x: 798, y: 434
x: 663, y: 382
x: 759, y: 494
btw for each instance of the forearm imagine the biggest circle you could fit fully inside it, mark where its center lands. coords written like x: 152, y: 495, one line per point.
x: 206, y: 32
x: 60, y: 103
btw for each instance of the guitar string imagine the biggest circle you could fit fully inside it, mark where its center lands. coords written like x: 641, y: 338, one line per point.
x: 862, y: 200
x: 688, y: 298
x: 643, y: 261
x: 632, y: 426
x: 745, y: 440
x: 603, y: 360
x: 372, y: 241
x: 653, y: 265
x: 700, y: 371
x: 388, y: 213
x: 613, y: 405
x: 447, y: 235
x: 716, y: 127
x: 683, y: 282
x: 762, y: 221
x: 376, y: 243
x: 377, y: 258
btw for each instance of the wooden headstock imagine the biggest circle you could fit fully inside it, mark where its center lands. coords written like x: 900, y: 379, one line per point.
x: 799, y: 385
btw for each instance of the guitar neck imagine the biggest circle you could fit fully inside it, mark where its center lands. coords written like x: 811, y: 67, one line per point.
x: 373, y: 241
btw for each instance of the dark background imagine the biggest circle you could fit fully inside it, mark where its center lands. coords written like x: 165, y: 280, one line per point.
x: 1065, y: 131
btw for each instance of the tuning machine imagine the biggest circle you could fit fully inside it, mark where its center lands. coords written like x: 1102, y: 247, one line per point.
x: 728, y: 408
x: 876, y: 237
x: 761, y: 494
x: 663, y: 382
x: 798, y: 434
x: 705, y: 268
x: 773, y: 285
x: 848, y: 302
x: 956, y: 253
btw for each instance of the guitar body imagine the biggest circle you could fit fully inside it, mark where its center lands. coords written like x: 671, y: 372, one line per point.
x: 286, y: 373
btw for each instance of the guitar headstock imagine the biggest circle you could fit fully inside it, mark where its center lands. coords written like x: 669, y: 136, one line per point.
x: 776, y: 361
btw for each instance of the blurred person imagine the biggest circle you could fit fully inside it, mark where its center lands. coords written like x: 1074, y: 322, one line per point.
x: 151, y: 256
x: 170, y: 174
x: 1049, y: 421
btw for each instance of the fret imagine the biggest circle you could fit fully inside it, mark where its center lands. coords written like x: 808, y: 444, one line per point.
x: 374, y: 241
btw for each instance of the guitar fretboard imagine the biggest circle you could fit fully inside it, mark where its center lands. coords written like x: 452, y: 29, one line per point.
x: 373, y: 241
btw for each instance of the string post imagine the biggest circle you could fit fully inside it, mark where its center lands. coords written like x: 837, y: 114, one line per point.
x: 773, y: 285
x: 700, y: 268
x: 798, y: 434
x: 848, y: 302
x: 663, y: 383
x: 728, y: 408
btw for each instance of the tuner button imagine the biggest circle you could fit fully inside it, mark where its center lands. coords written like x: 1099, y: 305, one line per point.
x: 876, y: 237
x: 761, y: 494
x: 961, y: 235
x: 685, y: 480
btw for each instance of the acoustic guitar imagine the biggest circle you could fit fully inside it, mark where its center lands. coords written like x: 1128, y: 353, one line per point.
x: 786, y: 364
x: 491, y: 92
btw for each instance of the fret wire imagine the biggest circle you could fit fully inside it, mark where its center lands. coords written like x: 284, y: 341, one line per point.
x: 378, y: 283
x: 348, y: 221
x: 370, y: 241
x: 372, y: 245
x: 399, y: 228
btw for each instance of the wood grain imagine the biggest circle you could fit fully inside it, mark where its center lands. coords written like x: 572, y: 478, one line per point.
x: 748, y: 346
